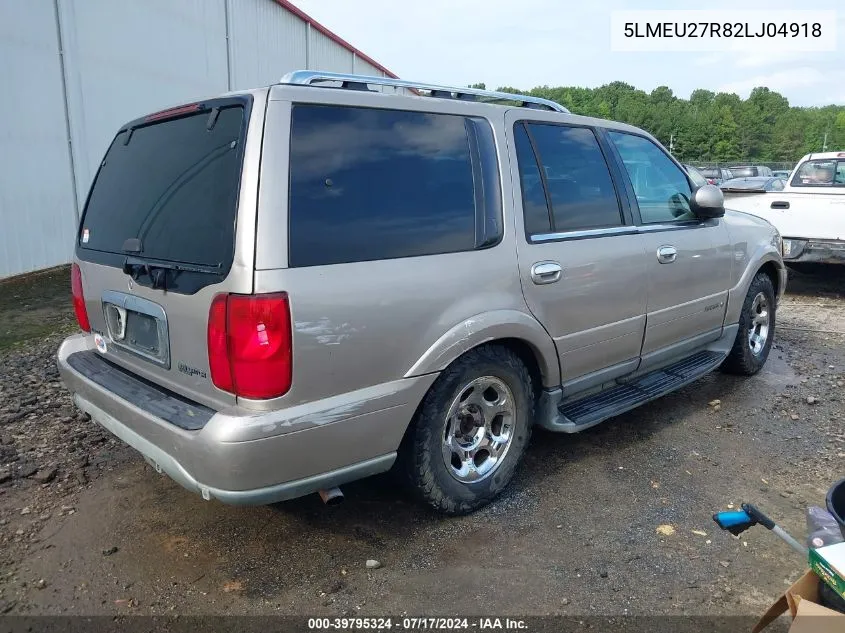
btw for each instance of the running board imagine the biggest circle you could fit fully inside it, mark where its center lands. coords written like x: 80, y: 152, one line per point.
x: 582, y: 414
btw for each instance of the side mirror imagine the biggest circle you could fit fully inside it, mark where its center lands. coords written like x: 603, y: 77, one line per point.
x: 708, y: 202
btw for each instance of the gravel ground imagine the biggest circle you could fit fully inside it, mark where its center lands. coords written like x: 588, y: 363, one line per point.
x: 615, y: 520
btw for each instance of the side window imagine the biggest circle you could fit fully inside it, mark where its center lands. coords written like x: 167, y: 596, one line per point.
x: 662, y: 189
x: 535, y: 209
x: 368, y: 184
x: 576, y: 179
x: 839, y: 177
x: 777, y: 185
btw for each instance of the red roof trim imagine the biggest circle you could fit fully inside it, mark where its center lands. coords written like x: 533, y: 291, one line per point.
x: 335, y: 38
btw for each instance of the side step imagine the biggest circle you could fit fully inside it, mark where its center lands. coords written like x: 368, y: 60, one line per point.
x: 581, y: 414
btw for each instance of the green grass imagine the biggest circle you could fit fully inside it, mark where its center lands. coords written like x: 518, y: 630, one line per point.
x: 34, y: 306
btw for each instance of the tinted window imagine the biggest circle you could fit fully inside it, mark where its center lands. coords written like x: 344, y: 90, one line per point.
x: 749, y: 184
x: 534, y: 206
x: 662, y: 189
x: 711, y: 172
x: 576, y: 176
x: 174, y: 185
x: 371, y: 184
x: 820, y: 173
x: 745, y: 172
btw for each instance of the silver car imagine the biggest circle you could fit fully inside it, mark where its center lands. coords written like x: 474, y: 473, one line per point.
x: 285, y: 289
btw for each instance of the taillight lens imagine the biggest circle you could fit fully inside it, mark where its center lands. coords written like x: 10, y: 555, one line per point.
x: 218, y: 346
x: 79, y: 298
x: 249, y: 344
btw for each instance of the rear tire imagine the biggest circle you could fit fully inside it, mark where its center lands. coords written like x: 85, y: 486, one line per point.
x: 756, y: 329
x: 470, y: 431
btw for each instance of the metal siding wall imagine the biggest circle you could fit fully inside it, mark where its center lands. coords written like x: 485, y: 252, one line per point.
x: 122, y: 59
x: 266, y: 42
x: 37, y: 219
x: 365, y: 68
x: 130, y: 57
x: 328, y: 55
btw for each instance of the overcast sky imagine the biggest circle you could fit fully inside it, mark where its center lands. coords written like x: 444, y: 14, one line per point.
x: 526, y: 43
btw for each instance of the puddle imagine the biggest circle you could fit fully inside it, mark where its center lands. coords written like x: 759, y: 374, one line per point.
x: 777, y: 372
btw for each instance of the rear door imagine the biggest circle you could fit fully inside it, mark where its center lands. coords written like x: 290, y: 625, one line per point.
x: 581, y: 261
x: 688, y: 261
x: 169, y: 223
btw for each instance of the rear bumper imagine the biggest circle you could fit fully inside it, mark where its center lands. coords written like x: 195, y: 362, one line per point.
x: 817, y: 252
x: 251, y: 458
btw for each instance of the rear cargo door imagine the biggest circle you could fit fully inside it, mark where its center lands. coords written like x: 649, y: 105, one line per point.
x: 168, y: 224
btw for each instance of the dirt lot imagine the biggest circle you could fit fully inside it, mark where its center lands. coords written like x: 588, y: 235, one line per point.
x: 86, y: 527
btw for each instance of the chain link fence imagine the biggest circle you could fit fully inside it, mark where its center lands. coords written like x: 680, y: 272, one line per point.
x: 773, y: 165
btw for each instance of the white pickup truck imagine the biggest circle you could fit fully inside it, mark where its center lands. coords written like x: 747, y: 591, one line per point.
x: 809, y: 212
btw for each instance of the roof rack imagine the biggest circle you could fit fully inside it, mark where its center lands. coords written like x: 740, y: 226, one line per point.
x: 360, y: 82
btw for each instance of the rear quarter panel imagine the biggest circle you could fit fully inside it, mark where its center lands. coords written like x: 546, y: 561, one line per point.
x: 362, y: 324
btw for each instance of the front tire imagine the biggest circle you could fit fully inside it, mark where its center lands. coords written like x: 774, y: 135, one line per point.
x: 756, y: 329
x: 470, y: 431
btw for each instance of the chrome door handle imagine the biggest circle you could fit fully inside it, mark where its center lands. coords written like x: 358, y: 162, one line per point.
x: 545, y: 272
x: 667, y: 254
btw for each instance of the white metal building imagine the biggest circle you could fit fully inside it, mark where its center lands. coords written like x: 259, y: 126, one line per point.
x: 72, y: 71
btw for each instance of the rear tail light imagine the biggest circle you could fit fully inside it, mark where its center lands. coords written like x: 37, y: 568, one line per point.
x: 79, y: 298
x: 249, y: 344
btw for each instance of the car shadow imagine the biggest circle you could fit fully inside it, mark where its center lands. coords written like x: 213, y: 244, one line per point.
x: 382, y: 499
x: 816, y: 282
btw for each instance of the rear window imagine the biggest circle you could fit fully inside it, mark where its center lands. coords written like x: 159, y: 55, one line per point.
x: 174, y: 186
x: 746, y: 184
x: 744, y: 172
x: 820, y: 173
x: 368, y: 184
x: 711, y: 172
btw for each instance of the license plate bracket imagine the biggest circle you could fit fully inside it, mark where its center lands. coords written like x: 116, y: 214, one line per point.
x: 137, y: 326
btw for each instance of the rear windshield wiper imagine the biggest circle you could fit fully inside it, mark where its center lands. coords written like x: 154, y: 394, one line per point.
x: 158, y: 269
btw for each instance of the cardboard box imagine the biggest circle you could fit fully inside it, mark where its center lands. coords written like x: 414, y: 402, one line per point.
x: 828, y: 563
x: 801, y: 599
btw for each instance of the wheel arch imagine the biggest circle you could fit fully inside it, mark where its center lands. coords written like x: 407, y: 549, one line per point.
x: 514, y: 329
x: 523, y: 349
x: 767, y: 262
x: 771, y: 270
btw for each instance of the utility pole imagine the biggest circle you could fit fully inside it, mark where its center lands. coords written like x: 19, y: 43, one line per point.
x: 672, y: 143
x: 824, y: 144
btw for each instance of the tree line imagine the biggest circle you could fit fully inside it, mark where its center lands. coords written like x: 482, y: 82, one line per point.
x: 709, y: 126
